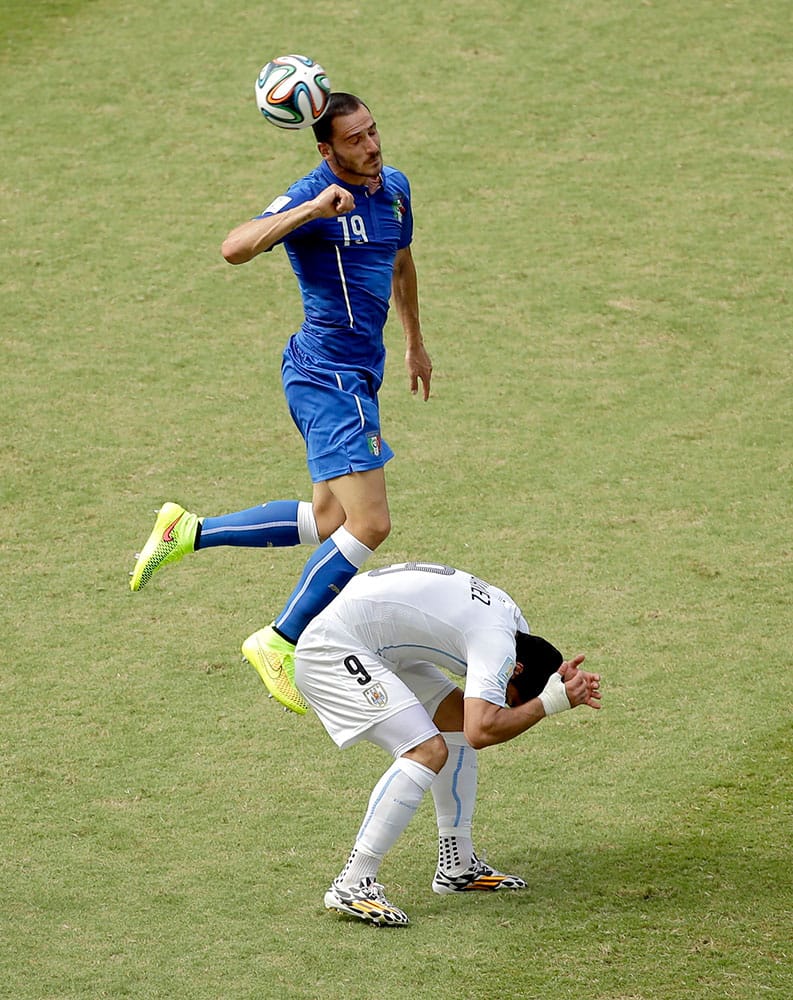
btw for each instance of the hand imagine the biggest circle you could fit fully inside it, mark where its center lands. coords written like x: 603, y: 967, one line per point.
x: 333, y: 201
x: 419, y: 366
x: 582, y: 688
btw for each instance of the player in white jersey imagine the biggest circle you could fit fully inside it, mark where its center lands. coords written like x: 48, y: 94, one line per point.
x: 369, y: 666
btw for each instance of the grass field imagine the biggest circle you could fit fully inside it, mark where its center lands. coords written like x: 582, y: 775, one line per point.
x: 604, y: 243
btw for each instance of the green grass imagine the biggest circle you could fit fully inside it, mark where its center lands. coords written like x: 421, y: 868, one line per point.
x: 604, y: 250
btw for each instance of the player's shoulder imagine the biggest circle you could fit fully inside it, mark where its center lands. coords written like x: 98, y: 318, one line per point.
x: 312, y: 183
x: 394, y: 178
x: 303, y: 189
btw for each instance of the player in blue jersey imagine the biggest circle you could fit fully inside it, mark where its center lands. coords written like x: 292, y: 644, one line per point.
x: 347, y: 228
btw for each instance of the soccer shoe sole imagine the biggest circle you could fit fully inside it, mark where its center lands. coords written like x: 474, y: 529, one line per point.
x: 268, y: 666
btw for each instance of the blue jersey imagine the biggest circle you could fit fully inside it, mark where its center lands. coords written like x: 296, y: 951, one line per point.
x: 344, y: 268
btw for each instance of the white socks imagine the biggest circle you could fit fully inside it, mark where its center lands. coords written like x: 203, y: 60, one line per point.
x: 355, y: 552
x: 395, y: 799
x: 307, y: 530
x: 392, y: 804
x: 454, y: 794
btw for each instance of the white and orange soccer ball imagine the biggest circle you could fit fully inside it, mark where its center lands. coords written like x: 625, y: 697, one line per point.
x: 292, y: 91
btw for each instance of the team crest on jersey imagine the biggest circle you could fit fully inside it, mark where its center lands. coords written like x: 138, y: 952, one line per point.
x: 375, y: 444
x: 376, y: 695
x: 505, y: 672
x: 399, y: 207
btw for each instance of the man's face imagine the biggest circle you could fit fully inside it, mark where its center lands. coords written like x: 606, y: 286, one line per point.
x: 353, y: 152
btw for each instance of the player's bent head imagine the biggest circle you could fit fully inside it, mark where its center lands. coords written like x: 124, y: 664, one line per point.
x: 339, y: 104
x: 538, y: 659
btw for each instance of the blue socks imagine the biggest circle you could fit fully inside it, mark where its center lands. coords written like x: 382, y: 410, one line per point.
x: 282, y: 523
x: 328, y: 570
x: 270, y: 524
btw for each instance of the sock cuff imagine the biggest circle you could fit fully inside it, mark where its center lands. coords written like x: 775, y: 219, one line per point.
x: 355, y: 552
x: 422, y: 775
x: 446, y: 828
x: 307, y: 530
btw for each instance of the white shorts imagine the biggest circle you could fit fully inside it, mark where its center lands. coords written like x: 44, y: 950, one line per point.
x: 353, y: 690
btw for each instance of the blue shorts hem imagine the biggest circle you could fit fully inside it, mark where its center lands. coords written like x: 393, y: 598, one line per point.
x: 335, y: 465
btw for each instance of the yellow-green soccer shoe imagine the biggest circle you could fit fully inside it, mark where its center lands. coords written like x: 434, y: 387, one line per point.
x: 274, y: 660
x: 173, y: 537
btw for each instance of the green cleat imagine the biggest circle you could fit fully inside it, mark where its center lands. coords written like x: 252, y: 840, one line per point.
x: 274, y: 661
x: 173, y: 537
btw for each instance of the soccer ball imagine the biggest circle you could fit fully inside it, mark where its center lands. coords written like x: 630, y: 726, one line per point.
x: 292, y: 91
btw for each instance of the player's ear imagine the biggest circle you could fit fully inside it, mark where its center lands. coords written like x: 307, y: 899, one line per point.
x: 518, y: 669
x: 324, y: 150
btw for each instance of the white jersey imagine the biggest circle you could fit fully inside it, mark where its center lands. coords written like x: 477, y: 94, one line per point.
x: 412, y: 614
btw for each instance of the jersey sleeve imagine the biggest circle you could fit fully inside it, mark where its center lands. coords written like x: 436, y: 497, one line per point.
x: 403, y: 204
x: 491, y: 660
x: 297, y: 194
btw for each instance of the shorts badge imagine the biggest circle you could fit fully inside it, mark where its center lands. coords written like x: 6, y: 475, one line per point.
x: 376, y: 695
x: 375, y: 444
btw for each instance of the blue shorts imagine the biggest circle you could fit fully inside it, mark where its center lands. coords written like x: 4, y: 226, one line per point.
x: 336, y: 411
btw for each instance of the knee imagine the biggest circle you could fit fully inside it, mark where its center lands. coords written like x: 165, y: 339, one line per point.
x: 432, y: 753
x: 380, y: 528
x: 329, y: 515
x: 373, y: 529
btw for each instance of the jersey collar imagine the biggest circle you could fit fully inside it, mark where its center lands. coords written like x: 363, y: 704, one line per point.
x: 328, y: 173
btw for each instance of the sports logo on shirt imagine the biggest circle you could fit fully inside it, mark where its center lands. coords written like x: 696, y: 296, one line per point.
x: 399, y: 207
x: 375, y: 443
x: 505, y: 671
x: 275, y: 206
x: 376, y: 696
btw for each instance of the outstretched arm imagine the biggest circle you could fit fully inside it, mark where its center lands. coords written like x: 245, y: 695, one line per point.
x: 251, y: 238
x: 404, y: 290
x: 487, y: 724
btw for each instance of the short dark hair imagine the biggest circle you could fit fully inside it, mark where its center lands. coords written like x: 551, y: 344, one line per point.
x: 539, y: 658
x: 338, y: 104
